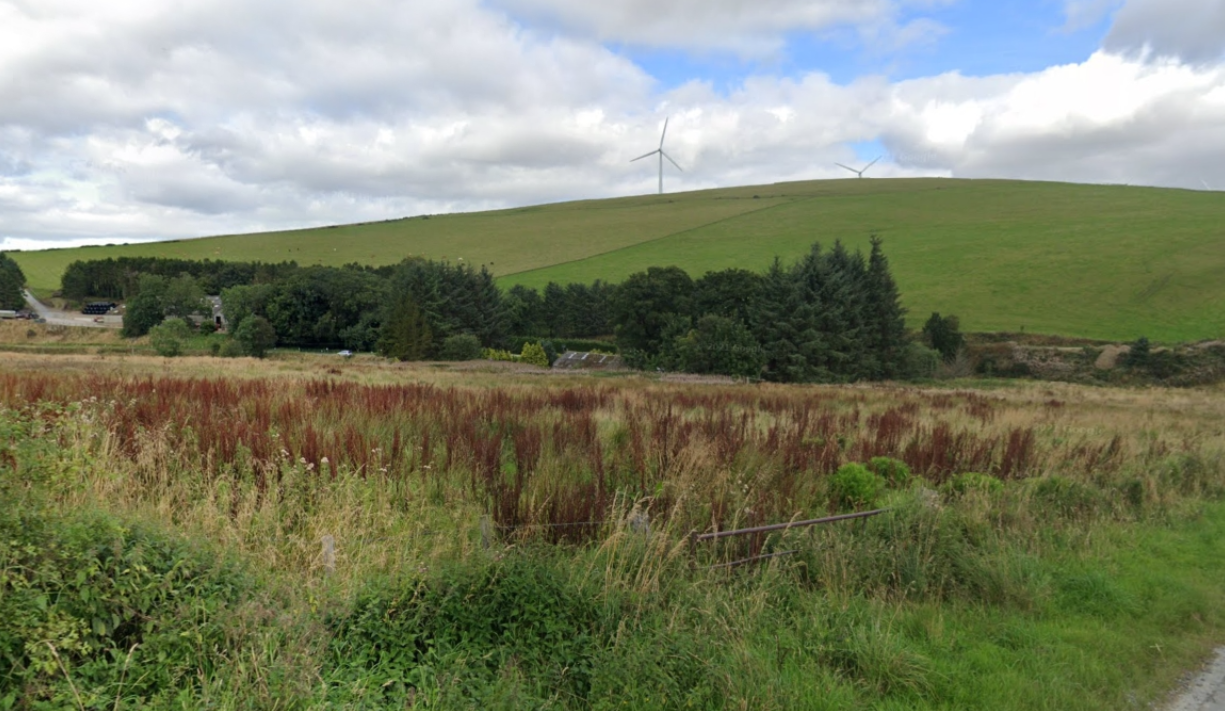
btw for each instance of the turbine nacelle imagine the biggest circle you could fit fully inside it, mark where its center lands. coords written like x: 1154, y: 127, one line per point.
x: 662, y: 155
x: 859, y: 172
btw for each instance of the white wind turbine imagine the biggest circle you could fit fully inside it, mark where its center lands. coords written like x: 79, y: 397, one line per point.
x: 662, y: 155
x: 859, y: 172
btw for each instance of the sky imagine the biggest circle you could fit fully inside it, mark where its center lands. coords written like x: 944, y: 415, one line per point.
x: 135, y: 120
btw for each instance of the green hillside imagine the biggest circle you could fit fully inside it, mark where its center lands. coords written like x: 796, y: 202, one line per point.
x: 1110, y: 262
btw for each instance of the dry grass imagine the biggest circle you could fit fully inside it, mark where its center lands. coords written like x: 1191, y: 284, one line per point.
x: 400, y: 462
x: 21, y: 332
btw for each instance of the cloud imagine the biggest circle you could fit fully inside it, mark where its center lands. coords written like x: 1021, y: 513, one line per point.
x: 1109, y: 119
x: 1190, y: 30
x: 752, y: 27
x: 130, y: 120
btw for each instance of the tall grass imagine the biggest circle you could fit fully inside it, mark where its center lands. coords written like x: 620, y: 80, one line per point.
x: 1037, y: 521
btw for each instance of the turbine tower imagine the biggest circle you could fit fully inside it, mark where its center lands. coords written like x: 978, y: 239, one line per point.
x: 662, y: 155
x: 859, y: 172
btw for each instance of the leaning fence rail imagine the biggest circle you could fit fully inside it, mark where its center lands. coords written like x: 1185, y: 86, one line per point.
x: 695, y: 537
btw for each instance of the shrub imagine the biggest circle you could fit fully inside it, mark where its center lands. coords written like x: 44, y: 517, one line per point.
x: 1138, y: 354
x: 534, y: 353
x: 550, y: 351
x: 497, y: 354
x: 944, y: 335
x: 920, y: 362
x: 230, y: 349
x: 125, y: 608
x: 968, y: 482
x: 462, y: 347
x: 474, y: 621
x: 168, y: 336
x: 256, y: 336
x: 854, y: 486
x: 893, y: 471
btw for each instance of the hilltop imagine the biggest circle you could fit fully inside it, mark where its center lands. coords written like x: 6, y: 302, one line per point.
x: 1093, y: 261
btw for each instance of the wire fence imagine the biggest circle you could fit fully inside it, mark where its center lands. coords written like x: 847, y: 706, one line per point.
x: 638, y: 522
x: 695, y: 537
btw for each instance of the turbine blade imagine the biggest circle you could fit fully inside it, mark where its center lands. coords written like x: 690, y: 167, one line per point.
x: 872, y: 163
x: 847, y: 167
x: 646, y: 155
x: 665, y: 155
x: 665, y: 133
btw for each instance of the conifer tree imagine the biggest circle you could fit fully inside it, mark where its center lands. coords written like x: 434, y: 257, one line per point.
x: 11, y: 282
x: 885, y: 315
x: 405, y: 333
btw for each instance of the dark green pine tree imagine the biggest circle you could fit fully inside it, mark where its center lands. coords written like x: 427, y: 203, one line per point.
x: 555, y: 316
x: 405, y: 333
x: 646, y: 304
x: 525, y: 311
x: 784, y: 324
x: 841, y: 290
x: 490, y: 314
x: 12, y: 280
x: 886, y: 317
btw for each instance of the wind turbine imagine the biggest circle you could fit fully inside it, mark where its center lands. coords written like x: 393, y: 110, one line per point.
x: 1206, y: 185
x: 662, y: 155
x: 859, y: 172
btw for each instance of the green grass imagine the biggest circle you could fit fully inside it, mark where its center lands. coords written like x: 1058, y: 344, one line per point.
x: 1108, y: 262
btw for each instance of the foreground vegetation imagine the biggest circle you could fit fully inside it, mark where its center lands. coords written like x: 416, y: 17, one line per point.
x: 160, y: 546
x: 1105, y: 262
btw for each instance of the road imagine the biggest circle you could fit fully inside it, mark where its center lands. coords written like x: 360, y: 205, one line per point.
x: 68, y: 318
x: 1206, y: 692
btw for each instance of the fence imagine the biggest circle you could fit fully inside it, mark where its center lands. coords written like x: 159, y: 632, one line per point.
x: 639, y: 522
x: 695, y: 538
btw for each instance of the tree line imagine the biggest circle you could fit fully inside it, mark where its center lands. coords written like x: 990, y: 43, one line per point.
x: 833, y: 315
x: 119, y: 277
x: 830, y: 316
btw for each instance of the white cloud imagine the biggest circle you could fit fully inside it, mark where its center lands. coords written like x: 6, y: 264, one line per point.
x: 131, y: 120
x: 1108, y: 119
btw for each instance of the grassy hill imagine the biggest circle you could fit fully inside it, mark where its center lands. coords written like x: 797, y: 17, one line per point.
x: 1110, y: 262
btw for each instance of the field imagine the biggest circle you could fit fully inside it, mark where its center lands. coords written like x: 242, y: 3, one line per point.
x: 1104, y: 262
x: 304, y: 532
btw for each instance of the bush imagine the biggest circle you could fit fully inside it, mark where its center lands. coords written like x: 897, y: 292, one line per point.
x: 944, y: 335
x: 497, y: 354
x: 920, y: 362
x: 561, y: 345
x: 470, y: 621
x: 168, y: 336
x: 231, y: 349
x: 534, y: 354
x: 893, y: 471
x: 462, y: 347
x: 256, y: 336
x: 1138, y: 354
x: 853, y: 486
x: 125, y: 608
